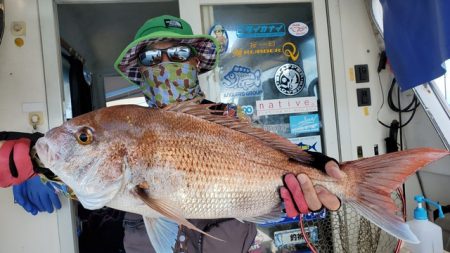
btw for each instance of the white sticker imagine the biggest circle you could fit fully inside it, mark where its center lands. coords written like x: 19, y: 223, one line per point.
x: 290, y: 79
x: 286, y: 106
x: 298, y: 29
x: 280, y: 129
x: 294, y: 236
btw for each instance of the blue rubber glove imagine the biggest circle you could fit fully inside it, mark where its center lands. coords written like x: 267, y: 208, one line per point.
x: 35, y: 196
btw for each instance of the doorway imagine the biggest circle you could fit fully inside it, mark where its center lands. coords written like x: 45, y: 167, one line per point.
x: 94, y: 35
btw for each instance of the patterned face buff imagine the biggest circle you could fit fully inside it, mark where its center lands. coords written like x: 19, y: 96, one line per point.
x: 169, y: 82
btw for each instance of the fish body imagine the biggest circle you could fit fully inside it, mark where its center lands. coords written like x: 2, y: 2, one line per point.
x: 185, y: 163
x: 185, y: 159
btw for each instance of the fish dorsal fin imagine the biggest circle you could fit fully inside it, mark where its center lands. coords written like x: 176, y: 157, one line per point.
x: 178, y: 106
x: 275, y: 141
x: 168, y: 210
x: 162, y: 234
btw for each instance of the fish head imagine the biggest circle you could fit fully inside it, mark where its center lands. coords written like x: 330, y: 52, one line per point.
x: 88, y: 153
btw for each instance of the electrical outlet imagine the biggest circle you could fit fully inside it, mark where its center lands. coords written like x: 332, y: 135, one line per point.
x: 363, y: 97
x: 362, y: 73
x: 36, y: 118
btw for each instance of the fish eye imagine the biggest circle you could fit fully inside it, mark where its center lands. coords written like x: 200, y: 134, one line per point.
x: 84, y: 136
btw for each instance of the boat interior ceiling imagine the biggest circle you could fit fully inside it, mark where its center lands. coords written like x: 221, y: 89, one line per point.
x: 99, y: 33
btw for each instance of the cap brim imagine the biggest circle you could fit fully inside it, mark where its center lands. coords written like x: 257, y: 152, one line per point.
x: 206, y: 46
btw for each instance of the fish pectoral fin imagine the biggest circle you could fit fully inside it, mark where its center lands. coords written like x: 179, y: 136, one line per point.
x: 263, y: 219
x: 168, y: 210
x: 162, y: 234
x: 275, y: 215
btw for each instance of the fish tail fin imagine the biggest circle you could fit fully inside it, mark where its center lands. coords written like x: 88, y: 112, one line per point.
x: 377, y: 177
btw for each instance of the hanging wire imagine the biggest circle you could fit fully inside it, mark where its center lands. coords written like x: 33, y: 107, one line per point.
x: 411, y: 107
x: 401, y: 195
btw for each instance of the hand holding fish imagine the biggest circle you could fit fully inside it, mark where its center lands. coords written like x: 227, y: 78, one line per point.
x: 300, y: 196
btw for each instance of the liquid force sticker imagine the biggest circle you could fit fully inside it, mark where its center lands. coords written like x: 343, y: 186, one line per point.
x: 298, y: 29
x: 290, y: 79
x: 305, y: 123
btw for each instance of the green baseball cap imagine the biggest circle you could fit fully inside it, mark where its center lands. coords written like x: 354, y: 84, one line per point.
x: 166, y: 28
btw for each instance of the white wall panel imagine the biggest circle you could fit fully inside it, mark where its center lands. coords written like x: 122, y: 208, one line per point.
x: 354, y: 43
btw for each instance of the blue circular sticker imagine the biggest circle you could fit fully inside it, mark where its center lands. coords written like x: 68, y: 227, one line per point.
x: 219, y: 32
x: 290, y: 79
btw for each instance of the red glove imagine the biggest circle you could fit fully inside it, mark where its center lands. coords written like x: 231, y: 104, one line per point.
x: 294, y: 201
x: 15, y: 162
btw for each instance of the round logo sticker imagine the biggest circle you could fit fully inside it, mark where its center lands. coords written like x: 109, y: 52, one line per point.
x: 290, y: 79
x: 298, y: 29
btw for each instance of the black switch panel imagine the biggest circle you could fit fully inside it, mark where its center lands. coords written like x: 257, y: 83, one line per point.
x: 362, y: 73
x: 359, y: 152
x: 363, y: 96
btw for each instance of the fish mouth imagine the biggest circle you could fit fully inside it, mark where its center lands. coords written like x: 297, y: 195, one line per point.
x: 47, y: 156
x: 89, y: 190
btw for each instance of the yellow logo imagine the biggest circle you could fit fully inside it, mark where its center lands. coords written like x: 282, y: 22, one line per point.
x: 290, y: 50
x: 237, y: 52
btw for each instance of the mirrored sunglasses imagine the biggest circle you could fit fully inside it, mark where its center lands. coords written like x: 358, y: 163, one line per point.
x: 180, y: 53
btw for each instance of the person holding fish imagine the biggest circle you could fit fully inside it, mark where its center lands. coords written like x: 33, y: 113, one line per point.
x: 164, y: 60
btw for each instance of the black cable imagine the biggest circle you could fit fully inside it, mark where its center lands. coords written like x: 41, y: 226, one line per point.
x: 412, y: 107
x: 382, y: 102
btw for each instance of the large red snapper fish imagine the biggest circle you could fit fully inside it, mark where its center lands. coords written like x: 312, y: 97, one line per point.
x: 188, y: 162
